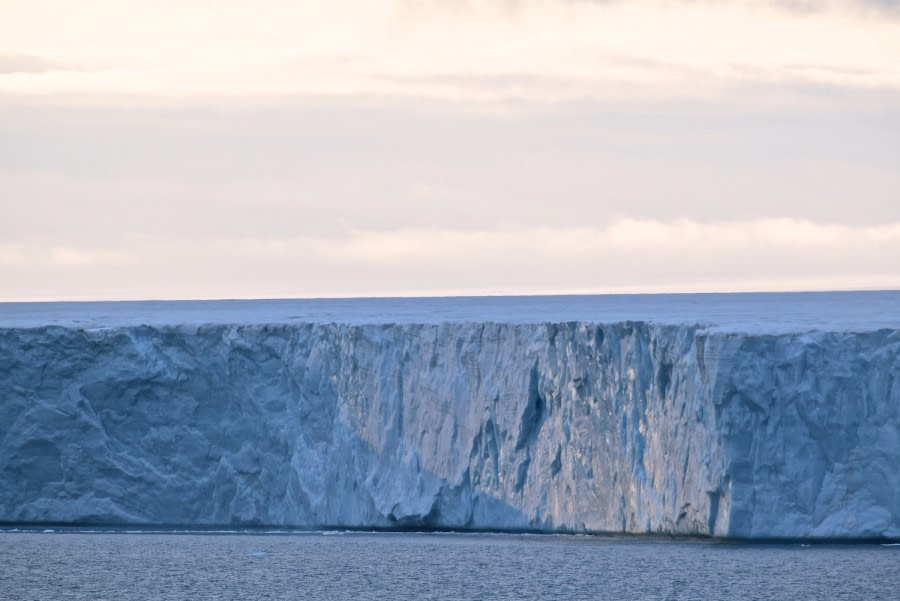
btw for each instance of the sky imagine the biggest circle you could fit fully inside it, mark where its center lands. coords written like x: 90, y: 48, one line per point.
x: 274, y: 149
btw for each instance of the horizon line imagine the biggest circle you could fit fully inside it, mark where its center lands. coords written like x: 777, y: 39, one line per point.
x: 447, y: 295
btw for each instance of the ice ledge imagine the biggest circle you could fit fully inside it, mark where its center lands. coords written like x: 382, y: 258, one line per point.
x: 747, y: 312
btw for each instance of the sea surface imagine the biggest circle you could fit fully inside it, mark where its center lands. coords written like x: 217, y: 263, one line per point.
x: 122, y: 565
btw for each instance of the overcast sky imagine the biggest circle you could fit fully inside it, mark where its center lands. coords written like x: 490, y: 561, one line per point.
x: 280, y: 149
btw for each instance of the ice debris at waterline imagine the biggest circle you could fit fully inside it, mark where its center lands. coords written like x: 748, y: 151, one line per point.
x: 739, y: 415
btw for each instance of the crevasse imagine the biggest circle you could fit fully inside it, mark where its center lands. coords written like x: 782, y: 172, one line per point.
x: 576, y: 427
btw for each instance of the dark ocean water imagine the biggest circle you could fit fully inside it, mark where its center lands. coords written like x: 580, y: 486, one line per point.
x: 122, y: 566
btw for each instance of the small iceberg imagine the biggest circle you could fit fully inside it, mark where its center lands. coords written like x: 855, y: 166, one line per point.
x: 257, y: 554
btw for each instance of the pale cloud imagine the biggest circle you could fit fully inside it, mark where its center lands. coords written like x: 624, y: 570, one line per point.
x: 787, y: 234
x: 539, y: 51
x: 87, y: 257
x: 870, y: 8
x: 12, y: 254
x: 27, y: 63
x: 627, y: 255
x: 678, y: 239
x: 283, y: 148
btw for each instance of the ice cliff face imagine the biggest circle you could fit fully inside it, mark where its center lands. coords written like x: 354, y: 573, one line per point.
x: 625, y: 427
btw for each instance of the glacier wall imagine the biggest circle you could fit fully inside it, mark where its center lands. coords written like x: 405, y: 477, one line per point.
x: 623, y: 427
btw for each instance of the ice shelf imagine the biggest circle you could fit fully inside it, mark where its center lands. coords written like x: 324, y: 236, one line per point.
x: 746, y: 415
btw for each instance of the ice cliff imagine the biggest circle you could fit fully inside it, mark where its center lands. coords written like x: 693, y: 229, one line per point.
x: 620, y: 426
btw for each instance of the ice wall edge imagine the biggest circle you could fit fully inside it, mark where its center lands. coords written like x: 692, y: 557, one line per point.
x: 559, y: 427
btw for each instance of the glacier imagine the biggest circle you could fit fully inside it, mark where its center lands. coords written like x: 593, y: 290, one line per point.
x: 751, y: 416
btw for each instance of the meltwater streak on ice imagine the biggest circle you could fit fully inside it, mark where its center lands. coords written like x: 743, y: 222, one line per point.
x: 758, y: 416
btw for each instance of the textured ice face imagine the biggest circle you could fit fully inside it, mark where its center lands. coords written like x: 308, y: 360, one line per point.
x: 624, y: 427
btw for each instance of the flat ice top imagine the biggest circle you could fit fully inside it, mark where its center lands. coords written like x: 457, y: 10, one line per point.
x: 763, y: 312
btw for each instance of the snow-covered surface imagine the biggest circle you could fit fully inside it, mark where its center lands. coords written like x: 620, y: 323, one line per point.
x: 746, y: 312
x: 778, y: 424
